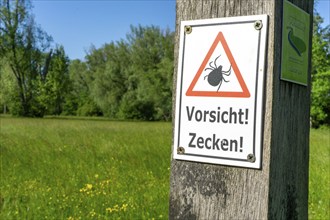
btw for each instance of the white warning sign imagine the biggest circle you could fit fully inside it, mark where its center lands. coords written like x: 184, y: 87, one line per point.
x: 219, y: 94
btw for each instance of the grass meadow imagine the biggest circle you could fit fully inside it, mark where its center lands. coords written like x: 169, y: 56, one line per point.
x: 84, y: 169
x: 99, y: 169
x: 319, y: 174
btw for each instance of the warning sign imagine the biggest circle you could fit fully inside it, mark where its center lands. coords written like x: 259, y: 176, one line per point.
x: 217, y: 75
x: 219, y: 94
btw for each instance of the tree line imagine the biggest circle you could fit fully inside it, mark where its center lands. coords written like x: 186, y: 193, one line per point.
x: 127, y: 79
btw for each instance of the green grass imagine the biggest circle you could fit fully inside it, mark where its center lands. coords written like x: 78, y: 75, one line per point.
x: 319, y: 174
x: 97, y: 169
x: 84, y: 169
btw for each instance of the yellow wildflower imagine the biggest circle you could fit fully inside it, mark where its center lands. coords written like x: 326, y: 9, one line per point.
x: 89, y: 186
x: 124, y: 207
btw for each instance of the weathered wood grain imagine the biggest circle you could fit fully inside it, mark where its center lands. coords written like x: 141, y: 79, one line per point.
x: 280, y: 189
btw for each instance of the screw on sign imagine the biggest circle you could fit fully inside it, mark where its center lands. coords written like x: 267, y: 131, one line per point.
x: 188, y: 29
x: 258, y: 25
x: 215, y: 77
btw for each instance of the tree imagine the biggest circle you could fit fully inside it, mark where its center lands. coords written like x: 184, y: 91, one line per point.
x: 111, y: 78
x: 23, y: 44
x: 7, y: 87
x: 80, y: 101
x: 320, y: 106
x: 132, y: 79
x: 56, y: 85
x: 152, y: 62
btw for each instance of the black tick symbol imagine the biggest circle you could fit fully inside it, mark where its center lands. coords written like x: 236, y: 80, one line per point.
x: 215, y: 77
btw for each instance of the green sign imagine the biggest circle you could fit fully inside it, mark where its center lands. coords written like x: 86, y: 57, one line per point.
x: 295, y: 44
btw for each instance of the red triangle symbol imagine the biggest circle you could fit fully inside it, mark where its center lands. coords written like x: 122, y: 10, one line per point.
x: 241, y: 94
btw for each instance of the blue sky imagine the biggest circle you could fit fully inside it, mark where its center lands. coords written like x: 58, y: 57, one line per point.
x: 78, y: 24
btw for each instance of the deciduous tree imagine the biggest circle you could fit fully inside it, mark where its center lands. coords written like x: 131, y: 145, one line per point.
x: 23, y: 44
x: 56, y: 85
x: 320, y: 106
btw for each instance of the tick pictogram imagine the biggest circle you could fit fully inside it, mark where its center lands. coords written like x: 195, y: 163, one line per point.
x: 216, y: 76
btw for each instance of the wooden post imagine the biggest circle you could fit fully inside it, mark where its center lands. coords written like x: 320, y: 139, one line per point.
x: 280, y: 189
